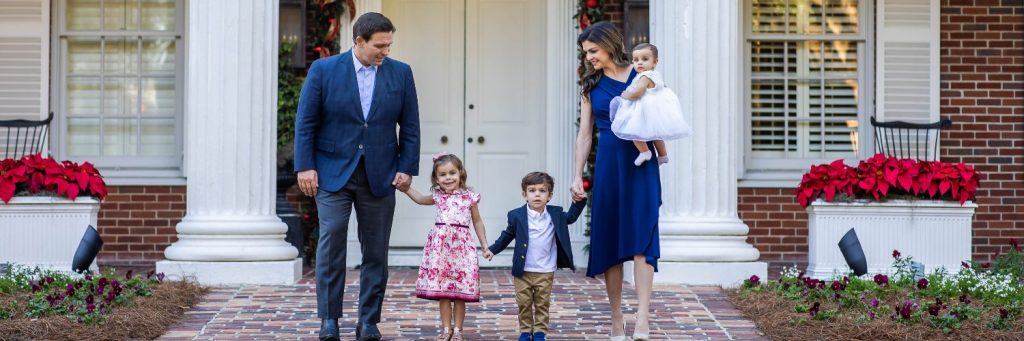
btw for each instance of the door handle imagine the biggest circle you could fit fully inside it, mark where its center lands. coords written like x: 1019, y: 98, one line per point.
x: 444, y: 139
x: 480, y: 140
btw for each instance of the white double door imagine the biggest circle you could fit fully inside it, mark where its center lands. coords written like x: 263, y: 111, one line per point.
x: 479, y: 71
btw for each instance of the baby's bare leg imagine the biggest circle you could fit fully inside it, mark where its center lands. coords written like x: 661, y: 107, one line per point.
x: 659, y: 145
x: 645, y: 153
x: 642, y: 146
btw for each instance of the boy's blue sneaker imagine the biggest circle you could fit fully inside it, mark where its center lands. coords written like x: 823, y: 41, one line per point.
x: 527, y: 337
x: 539, y: 336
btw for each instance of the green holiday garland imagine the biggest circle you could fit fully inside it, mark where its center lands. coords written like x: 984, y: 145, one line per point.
x: 327, y: 24
x: 588, y: 12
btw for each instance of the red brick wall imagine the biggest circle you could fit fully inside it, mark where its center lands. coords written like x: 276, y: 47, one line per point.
x: 137, y: 223
x: 778, y: 226
x: 983, y: 93
x: 982, y: 71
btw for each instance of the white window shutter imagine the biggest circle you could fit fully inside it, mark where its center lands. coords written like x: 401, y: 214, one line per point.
x: 24, y: 59
x: 907, y: 61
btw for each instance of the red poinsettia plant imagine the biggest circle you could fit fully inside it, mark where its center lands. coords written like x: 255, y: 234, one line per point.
x: 885, y: 176
x: 34, y: 174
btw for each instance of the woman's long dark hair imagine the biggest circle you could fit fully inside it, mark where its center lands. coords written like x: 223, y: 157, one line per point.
x: 609, y: 39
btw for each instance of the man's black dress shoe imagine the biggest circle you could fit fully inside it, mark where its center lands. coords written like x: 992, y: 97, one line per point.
x: 368, y: 332
x: 329, y: 330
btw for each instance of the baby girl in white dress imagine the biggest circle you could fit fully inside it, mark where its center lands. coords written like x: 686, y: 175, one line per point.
x: 648, y: 110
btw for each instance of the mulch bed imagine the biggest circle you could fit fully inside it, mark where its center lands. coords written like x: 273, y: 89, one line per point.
x: 775, y: 317
x: 144, y: 318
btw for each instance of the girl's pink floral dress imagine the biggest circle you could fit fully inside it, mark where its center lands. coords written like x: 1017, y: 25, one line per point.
x: 450, y: 269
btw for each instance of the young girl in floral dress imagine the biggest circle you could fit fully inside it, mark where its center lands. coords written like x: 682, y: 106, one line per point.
x: 450, y: 272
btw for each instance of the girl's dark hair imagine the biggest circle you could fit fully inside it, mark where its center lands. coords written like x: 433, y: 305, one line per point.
x: 370, y: 23
x: 642, y: 46
x: 609, y: 39
x: 455, y: 161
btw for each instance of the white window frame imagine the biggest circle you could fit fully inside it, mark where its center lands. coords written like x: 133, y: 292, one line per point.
x: 786, y: 173
x: 119, y: 170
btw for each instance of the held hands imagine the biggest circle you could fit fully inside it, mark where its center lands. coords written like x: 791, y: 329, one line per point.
x: 402, y: 181
x: 576, y: 189
x: 488, y: 254
x: 308, y: 182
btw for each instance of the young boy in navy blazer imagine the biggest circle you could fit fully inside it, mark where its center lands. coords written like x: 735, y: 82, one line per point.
x: 541, y: 234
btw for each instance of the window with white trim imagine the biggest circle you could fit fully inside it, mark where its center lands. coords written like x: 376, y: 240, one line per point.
x: 120, y: 87
x: 806, y: 64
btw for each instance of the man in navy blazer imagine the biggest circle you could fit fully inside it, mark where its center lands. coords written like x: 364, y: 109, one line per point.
x: 348, y: 154
x: 541, y: 234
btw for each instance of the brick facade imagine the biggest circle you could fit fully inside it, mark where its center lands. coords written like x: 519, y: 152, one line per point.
x: 137, y: 223
x: 982, y: 72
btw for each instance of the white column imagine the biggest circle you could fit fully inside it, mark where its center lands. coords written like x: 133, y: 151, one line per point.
x: 230, y: 233
x: 703, y: 241
x: 562, y: 103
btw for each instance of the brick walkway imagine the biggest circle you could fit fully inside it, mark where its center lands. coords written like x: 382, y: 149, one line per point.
x: 578, y: 312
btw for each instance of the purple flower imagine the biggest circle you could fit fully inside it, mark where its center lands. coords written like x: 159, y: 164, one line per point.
x: 907, y: 309
x: 895, y: 253
x: 871, y: 315
x: 160, y: 276
x: 933, y: 309
x: 785, y: 286
x: 986, y: 265
x: 874, y: 303
x: 89, y: 307
x: 88, y: 278
x: 1003, y: 313
x: 110, y: 297
x: 965, y: 264
x: 1013, y: 243
x: 35, y: 287
x: 965, y: 299
x: 881, y: 280
x: 71, y: 308
x: 128, y: 275
x: 49, y: 279
x: 90, y: 299
x: 922, y: 283
x: 754, y: 280
x: 814, y: 309
x: 150, y: 274
x: 70, y: 291
x: 838, y: 286
x: 103, y: 282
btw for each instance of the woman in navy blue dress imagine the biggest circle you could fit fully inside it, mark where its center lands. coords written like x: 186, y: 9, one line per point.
x: 626, y: 198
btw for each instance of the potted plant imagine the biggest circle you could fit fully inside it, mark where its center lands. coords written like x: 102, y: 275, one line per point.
x: 46, y: 207
x: 922, y: 207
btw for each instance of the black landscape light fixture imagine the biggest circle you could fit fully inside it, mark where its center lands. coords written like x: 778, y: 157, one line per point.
x: 849, y: 245
x: 88, y: 248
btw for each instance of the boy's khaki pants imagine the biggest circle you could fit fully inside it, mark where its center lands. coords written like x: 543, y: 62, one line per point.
x: 533, y: 294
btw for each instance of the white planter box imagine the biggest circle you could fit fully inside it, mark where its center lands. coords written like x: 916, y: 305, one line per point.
x: 935, y: 233
x: 45, y: 231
